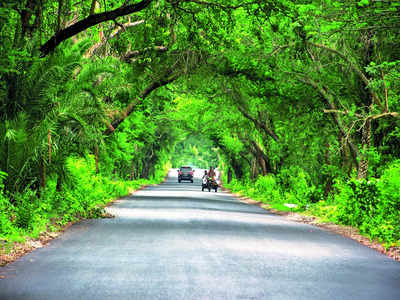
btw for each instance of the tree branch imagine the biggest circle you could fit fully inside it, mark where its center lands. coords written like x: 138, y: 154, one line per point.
x: 88, y: 22
x: 387, y: 114
x: 115, y: 33
x: 355, y: 69
x: 258, y: 124
x: 136, y: 53
x: 92, y: 7
x: 329, y: 99
x: 344, y: 112
x: 386, y: 92
x: 168, y: 78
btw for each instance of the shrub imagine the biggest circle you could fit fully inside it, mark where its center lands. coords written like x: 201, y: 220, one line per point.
x: 356, y: 200
x: 388, y: 206
x: 297, y: 186
x: 25, y: 209
x: 268, y: 188
x: 83, y: 194
x: 372, y: 205
x: 6, y: 210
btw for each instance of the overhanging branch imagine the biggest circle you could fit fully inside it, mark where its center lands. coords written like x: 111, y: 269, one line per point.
x: 258, y: 123
x: 168, y: 78
x: 88, y: 22
x: 355, y: 69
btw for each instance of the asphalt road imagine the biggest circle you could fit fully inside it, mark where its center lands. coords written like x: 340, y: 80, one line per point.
x: 173, y: 241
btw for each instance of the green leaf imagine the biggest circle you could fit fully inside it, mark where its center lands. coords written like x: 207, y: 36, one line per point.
x: 363, y: 3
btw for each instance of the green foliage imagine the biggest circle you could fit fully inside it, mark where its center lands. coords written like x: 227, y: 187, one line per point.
x: 268, y: 188
x: 195, y: 151
x: 289, y: 186
x: 297, y: 185
x: 388, y: 207
x: 6, y: 210
x: 84, y: 195
x: 356, y: 201
x: 373, y: 205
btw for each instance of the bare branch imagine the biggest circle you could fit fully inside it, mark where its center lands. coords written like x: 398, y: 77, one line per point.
x: 131, y: 54
x: 114, y: 34
x: 344, y: 112
x: 278, y: 49
x: 386, y: 114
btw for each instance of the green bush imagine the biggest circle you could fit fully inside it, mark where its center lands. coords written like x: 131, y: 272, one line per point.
x: 86, y: 190
x: 6, y: 210
x: 356, y: 200
x: 297, y: 187
x: 372, y: 205
x: 388, y: 206
x: 25, y: 209
x: 268, y: 188
x: 83, y: 195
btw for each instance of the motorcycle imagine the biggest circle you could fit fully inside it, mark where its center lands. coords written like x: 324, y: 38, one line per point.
x: 209, y: 183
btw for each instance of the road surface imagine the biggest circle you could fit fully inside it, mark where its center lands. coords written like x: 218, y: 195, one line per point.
x: 173, y: 241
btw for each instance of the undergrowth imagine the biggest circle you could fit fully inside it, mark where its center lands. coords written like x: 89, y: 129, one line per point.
x: 83, y: 195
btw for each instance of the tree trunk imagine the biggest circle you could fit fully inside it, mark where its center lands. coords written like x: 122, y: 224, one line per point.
x: 237, y: 168
x: 263, y: 159
x: 367, y: 102
x: 97, y: 159
x: 92, y: 7
x: 132, y: 175
x: 366, y: 143
x: 59, y: 14
x: 49, y: 141
x: 145, y: 171
x: 229, y: 175
x: 26, y: 15
x: 254, y: 169
x: 42, y: 168
x: 328, y: 185
x: 59, y: 183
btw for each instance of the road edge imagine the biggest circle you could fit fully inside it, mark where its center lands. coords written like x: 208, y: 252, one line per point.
x: 345, y: 231
x: 20, y: 249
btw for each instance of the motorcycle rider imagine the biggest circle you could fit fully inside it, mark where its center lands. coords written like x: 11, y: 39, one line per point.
x: 211, y: 173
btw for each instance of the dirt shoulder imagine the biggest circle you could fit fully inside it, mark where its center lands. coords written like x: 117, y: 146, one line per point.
x: 10, y: 252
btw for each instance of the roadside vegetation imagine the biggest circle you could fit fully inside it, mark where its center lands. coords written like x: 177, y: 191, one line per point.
x: 296, y: 101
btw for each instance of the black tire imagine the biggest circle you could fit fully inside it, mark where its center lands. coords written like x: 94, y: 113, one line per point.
x: 216, y: 189
x: 191, y: 181
x: 179, y: 180
x: 209, y: 189
x: 202, y: 188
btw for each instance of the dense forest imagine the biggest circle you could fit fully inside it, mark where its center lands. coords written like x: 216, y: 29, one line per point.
x: 296, y: 101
